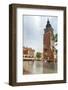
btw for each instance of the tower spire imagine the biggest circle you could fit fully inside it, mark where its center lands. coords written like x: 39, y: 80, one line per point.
x: 48, y: 23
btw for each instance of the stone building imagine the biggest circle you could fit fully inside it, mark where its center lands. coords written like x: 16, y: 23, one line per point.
x: 48, y: 43
x: 28, y: 53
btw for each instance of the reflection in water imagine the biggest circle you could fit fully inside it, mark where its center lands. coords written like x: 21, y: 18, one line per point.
x: 39, y: 67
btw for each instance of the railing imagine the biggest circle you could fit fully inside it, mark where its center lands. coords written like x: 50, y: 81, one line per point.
x: 29, y: 58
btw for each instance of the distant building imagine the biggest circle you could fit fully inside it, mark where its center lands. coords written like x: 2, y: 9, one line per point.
x: 48, y: 43
x: 28, y: 53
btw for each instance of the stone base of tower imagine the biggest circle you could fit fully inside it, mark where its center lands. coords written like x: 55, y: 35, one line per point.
x: 48, y: 55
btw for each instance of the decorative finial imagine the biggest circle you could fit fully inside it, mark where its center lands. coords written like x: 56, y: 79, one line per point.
x: 48, y: 23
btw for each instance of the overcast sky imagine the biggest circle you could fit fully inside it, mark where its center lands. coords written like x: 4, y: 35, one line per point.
x: 34, y: 28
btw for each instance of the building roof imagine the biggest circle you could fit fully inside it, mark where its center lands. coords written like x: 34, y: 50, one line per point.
x: 48, y: 26
x: 26, y: 48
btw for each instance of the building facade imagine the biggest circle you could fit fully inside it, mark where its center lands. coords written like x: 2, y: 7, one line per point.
x: 48, y: 43
x: 28, y: 53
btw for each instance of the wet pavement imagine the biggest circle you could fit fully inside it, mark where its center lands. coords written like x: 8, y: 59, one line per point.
x: 39, y: 67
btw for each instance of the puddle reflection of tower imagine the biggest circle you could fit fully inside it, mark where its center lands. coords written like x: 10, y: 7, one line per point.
x: 48, y: 43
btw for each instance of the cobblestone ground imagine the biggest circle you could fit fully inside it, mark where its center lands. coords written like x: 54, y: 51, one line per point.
x: 39, y: 67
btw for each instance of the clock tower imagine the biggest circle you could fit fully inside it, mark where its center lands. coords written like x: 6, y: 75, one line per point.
x: 48, y: 42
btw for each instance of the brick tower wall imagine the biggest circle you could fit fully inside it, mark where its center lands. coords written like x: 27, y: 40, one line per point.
x: 48, y: 52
